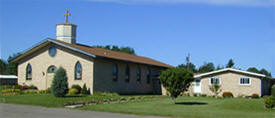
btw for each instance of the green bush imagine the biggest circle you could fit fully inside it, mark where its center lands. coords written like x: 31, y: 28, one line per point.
x: 269, y: 102
x: 30, y: 92
x: 7, y: 92
x: 73, y: 91
x: 32, y: 87
x: 59, y: 87
x: 255, y: 96
x: 84, y: 90
x: 227, y: 95
x: 77, y: 87
x: 203, y: 95
x: 105, y: 94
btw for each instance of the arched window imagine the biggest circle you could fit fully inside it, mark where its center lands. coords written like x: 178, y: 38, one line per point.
x: 138, y: 74
x: 115, y: 72
x: 78, y: 71
x: 127, y: 74
x: 148, y: 76
x: 29, y: 72
x: 51, y: 69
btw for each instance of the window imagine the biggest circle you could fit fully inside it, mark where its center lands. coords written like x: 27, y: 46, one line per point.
x: 29, y: 72
x: 148, y: 76
x: 214, y: 80
x: 127, y: 74
x: 51, y: 69
x: 138, y: 74
x: 115, y: 72
x: 78, y: 71
x: 52, y: 51
x: 245, y: 81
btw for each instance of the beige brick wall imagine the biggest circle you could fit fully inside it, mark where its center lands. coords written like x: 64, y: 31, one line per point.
x: 40, y: 61
x: 230, y: 83
x: 103, y: 80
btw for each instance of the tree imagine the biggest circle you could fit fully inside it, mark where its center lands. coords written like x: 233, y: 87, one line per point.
x: 219, y: 67
x: 3, y: 65
x: 59, y: 86
x: 176, y: 81
x: 215, y: 88
x: 190, y: 66
x: 253, y: 69
x: 206, y: 67
x: 265, y: 72
x: 125, y: 49
x: 230, y: 64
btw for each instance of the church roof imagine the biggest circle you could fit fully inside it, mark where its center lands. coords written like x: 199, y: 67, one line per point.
x: 96, y: 52
x: 117, y: 55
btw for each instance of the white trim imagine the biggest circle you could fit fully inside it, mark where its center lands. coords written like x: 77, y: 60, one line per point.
x: 8, y: 76
x: 245, y: 84
x: 229, y: 69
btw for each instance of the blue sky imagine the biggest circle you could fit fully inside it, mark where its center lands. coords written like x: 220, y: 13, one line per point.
x: 166, y: 30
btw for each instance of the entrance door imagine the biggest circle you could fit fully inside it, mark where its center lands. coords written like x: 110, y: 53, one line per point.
x: 197, y: 86
x: 49, y: 77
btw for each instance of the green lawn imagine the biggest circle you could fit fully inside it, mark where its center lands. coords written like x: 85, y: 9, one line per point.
x: 188, y: 107
x: 191, y: 107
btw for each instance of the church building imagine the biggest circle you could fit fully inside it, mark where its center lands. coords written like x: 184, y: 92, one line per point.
x: 100, y: 69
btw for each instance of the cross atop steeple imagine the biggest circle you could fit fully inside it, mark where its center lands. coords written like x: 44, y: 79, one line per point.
x: 66, y: 16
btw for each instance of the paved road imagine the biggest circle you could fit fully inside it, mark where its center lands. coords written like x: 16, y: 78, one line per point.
x: 22, y: 111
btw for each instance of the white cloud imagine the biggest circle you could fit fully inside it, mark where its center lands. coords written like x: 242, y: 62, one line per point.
x: 211, y: 2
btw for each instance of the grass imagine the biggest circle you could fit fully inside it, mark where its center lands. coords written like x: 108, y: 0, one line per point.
x: 191, y: 107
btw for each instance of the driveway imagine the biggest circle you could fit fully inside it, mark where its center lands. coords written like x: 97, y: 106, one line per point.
x: 24, y: 111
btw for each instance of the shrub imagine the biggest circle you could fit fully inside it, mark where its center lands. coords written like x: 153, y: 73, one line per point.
x: 255, y: 96
x: 216, y: 89
x: 269, y: 102
x: 227, y: 95
x: 48, y: 90
x: 59, y: 87
x: 6, y: 92
x: 30, y: 92
x: 73, y: 91
x: 84, y: 90
x: 203, y: 95
x: 24, y: 87
x: 77, y: 87
x: 32, y: 87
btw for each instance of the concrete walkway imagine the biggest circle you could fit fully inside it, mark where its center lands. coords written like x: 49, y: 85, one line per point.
x: 24, y: 111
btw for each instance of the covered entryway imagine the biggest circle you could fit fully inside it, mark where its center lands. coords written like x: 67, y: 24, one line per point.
x: 197, y: 86
x: 49, y: 76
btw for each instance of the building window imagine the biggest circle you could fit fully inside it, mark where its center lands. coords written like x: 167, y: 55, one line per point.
x: 138, y: 74
x: 214, y: 80
x: 245, y: 81
x: 51, y: 69
x: 148, y: 76
x: 52, y: 51
x: 115, y: 72
x: 29, y: 72
x: 78, y: 71
x: 127, y: 74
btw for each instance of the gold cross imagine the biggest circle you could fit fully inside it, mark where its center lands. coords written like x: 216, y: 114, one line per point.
x: 66, y: 16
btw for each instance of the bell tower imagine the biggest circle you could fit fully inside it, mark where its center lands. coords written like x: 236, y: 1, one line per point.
x: 66, y: 31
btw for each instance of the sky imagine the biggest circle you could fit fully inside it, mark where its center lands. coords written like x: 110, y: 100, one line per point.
x: 165, y: 30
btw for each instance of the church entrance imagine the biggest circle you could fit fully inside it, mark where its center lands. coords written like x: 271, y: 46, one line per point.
x: 49, y: 77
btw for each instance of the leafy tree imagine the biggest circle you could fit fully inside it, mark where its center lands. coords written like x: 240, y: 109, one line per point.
x: 206, y: 67
x: 126, y: 49
x: 265, y: 72
x: 216, y: 89
x: 219, y: 67
x: 176, y: 81
x: 84, y: 90
x: 230, y: 64
x: 190, y: 66
x: 253, y: 69
x: 59, y: 86
x: 3, y: 65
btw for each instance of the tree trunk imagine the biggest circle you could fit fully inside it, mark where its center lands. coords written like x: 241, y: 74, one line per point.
x: 174, y: 99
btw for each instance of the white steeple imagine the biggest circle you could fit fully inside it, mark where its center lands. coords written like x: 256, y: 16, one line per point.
x: 66, y: 31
